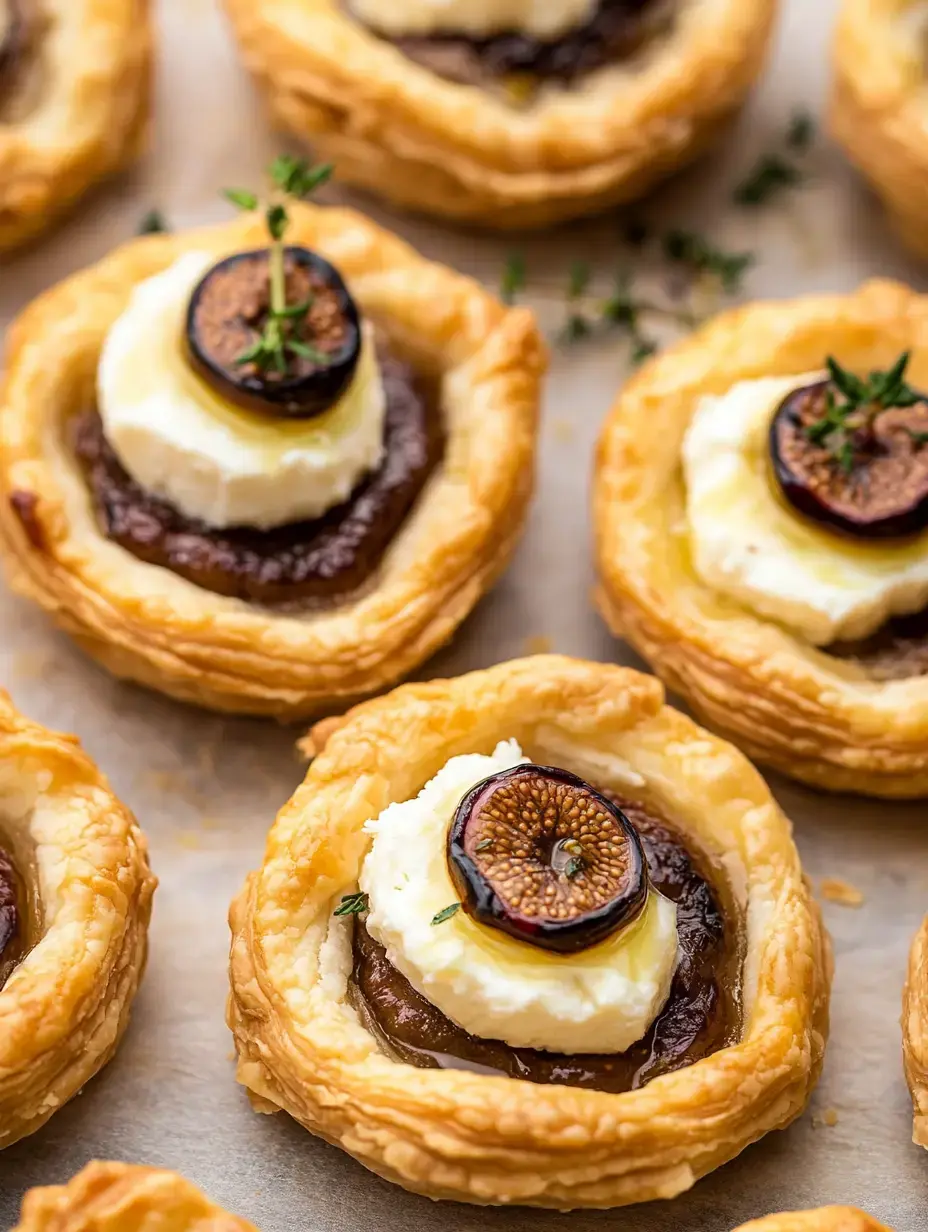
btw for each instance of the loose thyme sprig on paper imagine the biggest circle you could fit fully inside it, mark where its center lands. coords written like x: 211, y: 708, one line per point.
x: 864, y: 400
x: 775, y: 171
x: 291, y: 178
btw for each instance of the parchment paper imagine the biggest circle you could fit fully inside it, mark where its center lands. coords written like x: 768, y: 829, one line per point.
x: 206, y: 789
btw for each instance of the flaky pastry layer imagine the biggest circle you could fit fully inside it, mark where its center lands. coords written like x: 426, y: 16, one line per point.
x: 454, y: 1134
x: 879, y: 105
x: 430, y: 144
x: 915, y: 1033
x: 88, y: 115
x: 65, y: 1007
x: 826, y: 1219
x: 110, y: 1197
x: 146, y: 623
x: 812, y: 716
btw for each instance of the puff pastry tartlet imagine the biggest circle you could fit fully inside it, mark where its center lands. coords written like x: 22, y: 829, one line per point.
x: 255, y: 544
x: 827, y: 1219
x: 504, y: 115
x: 75, y: 900
x: 877, y: 109
x: 111, y: 1197
x: 74, y: 102
x: 357, y: 1010
x: 915, y: 1033
x: 761, y: 533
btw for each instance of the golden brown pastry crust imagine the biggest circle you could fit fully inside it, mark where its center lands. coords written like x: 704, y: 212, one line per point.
x: 393, y: 127
x: 65, y: 1007
x: 453, y: 1134
x: 827, y: 1219
x: 812, y: 716
x: 879, y: 106
x: 88, y: 116
x: 108, y: 1197
x: 154, y: 627
x: 915, y: 1033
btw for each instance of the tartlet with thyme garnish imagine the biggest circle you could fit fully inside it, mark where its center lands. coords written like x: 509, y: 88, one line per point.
x: 74, y: 104
x: 271, y: 470
x: 508, y: 114
x: 778, y: 572
x: 557, y: 914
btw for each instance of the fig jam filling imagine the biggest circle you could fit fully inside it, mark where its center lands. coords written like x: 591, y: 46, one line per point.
x: 319, y: 561
x: 702, y: 1013
x: 12, y: 919
x: 896, y: 651
x: 616, y: 30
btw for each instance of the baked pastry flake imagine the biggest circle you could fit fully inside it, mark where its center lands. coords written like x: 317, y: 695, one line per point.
x: 915, y: 1033
x: 876, y: 111
x: 826, y: 1219
x: 112, y: 1197
x: 74, y: 103
x: 438, y: 109
x: 75, y: 901
x: 783, y: 596
x: 277, y: 560
x: 361, y: 973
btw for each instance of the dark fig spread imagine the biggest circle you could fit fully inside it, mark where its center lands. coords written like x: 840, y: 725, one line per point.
x: 314, y: 338
x: 11, y: 921
x: 322, y: 560
x: 537, y: 853
x: 702, y: 1013
x: 896, y: 651
x: 852, y: 454
x: 616, y: 29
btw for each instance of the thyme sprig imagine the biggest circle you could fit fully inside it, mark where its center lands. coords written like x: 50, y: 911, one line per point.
x: 512, y: 280
x: 775, y: 171
x: 291, y: 178
x: 152, y: 222
x: 352, y: 904
x: 445, y: 914
x: 847, y: 423
x: 703, y: 257
x: 573, y: 867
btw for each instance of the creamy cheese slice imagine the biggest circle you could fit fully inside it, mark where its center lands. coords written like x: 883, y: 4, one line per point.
x: 748, y: 543
x: 599, y: 1000
x: 211, y: 459
x: 543, y: 19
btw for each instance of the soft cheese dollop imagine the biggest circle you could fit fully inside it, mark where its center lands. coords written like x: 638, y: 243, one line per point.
x: 210, y: 459
x: 543, y: 19
x: 599, y: 1000
x: 748, y: 544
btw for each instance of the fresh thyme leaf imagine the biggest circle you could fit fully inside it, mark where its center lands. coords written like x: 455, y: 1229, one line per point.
x: 153, y: 223
x: 643, y: 349
x: 576, y: 328
x: 920, y: 438
x: 251, y: 354
x: 573, y: 866
x: 620, y: 309
x: 484, y: 845
x: 352, y: 904
x: 853, y: 388
x: 445, y: 914
x: 295, y: 310
x: 241, y: 197
x: 579, y: 282
x: 689, y: 248
x: 845, y: 456
x: 277, y: 221
x: 801, y: 131
x: 770, y: 173
x: 305, y: 351
x: 297, y: 177
x: 512, y: 281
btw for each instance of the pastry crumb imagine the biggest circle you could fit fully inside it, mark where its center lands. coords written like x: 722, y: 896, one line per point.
x: 538, y: 644
x: 836, y: 890
x: 829, y: 1118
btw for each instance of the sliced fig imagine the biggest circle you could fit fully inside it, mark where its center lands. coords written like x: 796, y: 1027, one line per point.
x: 539, y: 854
x: 319, y: 333
x: 863, y: 473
